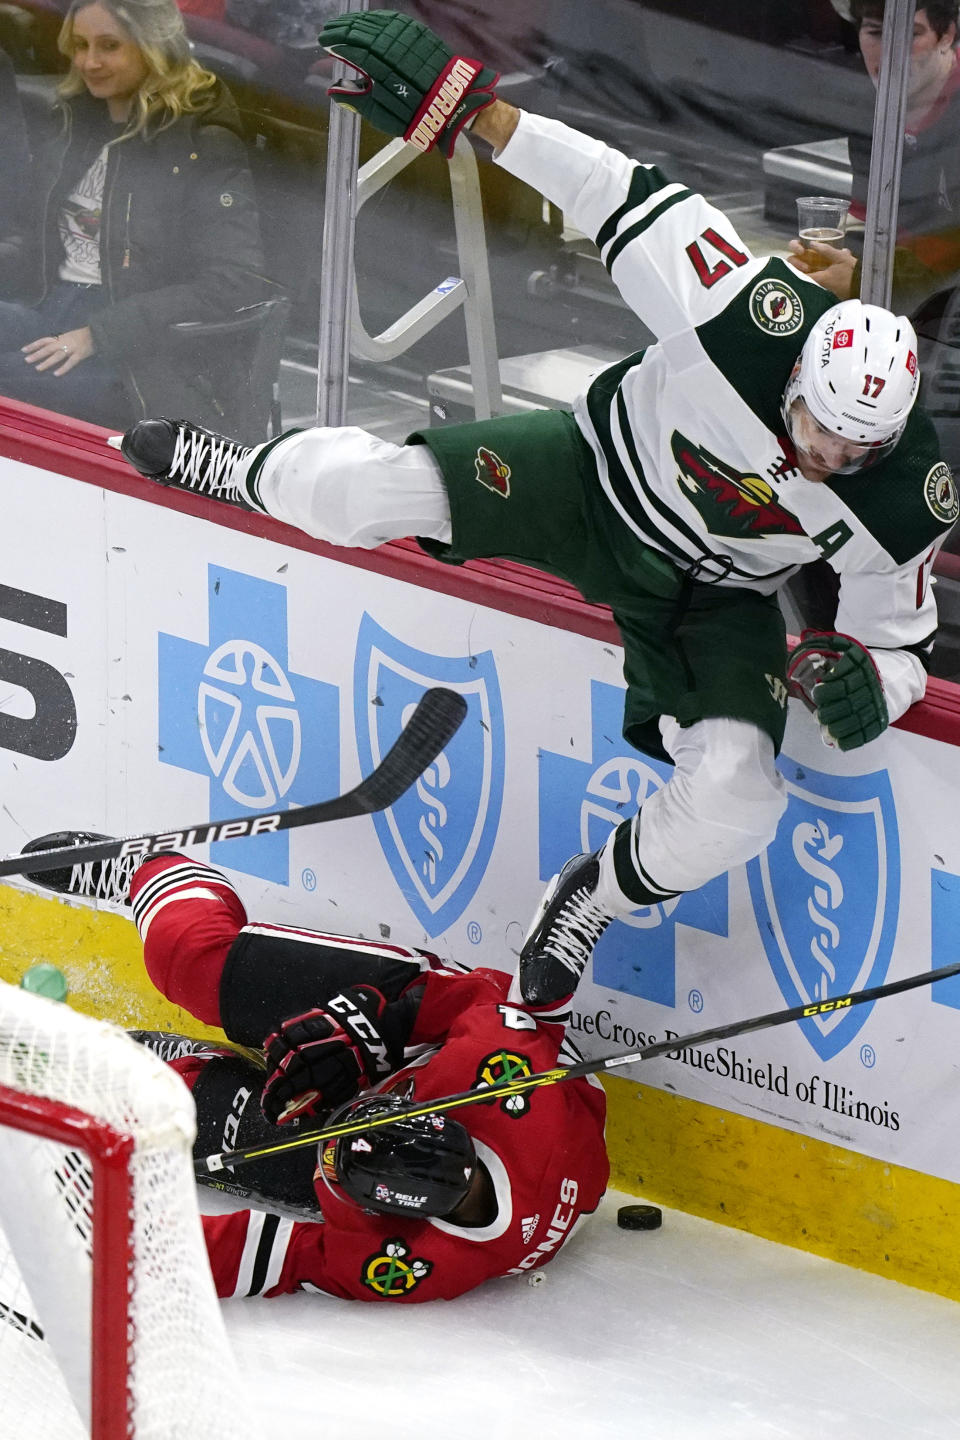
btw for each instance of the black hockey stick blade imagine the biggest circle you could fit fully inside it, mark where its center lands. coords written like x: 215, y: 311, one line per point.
x: 503, y: 1090
x: 431, y: 727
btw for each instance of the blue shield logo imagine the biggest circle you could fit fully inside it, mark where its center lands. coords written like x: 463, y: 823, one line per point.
x: 438, y: 837
x: 826, y: 895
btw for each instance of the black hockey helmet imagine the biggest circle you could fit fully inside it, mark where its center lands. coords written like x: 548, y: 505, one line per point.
x: 420, y: 1166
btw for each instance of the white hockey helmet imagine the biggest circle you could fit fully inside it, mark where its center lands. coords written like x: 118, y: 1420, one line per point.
x: 857, y: 375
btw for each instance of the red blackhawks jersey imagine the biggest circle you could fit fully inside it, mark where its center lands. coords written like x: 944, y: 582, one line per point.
x: 544, y: 1152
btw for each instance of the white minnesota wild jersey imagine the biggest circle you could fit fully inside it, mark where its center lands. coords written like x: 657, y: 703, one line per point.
x: 688, y: 434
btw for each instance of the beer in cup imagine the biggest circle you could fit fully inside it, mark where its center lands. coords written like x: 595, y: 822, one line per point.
x: 820, y: 217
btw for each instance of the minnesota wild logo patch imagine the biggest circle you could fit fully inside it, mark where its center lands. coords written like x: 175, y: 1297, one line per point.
x: 940, y: 493
x: 776, y: 307
x: 392, y: 1272
x: 492, y: 472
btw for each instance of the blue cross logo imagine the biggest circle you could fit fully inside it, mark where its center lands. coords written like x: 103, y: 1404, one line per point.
x: 232, y: 710
x: 580, y: 802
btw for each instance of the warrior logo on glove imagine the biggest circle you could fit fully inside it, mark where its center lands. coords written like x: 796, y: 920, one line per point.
x: 409, y: 82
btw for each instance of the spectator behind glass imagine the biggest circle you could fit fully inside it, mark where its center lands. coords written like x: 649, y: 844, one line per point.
x: 14, y: 152
x: 928, y: 248
x: 145, y: 217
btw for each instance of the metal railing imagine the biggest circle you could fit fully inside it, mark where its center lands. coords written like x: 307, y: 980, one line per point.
x: 470, y: 289
x: 341, y: 330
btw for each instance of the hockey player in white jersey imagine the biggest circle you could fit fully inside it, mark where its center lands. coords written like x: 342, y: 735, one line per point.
x: 767, y: 427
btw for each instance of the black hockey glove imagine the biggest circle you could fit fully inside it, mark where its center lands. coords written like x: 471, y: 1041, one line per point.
x: 410, y: 82
x: 836, y: 677
x: 322, y: 1058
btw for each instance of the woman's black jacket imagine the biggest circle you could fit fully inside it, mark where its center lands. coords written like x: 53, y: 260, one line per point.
x: 179, y: 241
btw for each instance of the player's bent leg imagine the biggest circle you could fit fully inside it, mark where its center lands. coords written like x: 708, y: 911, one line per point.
x: 275, y: 971
x: 348, y: 487
x: 342, y: 485
x: 720, y: 808
x: 188, y: 915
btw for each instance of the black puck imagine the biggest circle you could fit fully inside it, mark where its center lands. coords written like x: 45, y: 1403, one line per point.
x: 639, y: 1217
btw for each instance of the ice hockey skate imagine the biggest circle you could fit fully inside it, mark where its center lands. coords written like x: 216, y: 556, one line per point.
x: 564, y: 933
x: 105, y: 880
x: 169, y: 1046
x: 174, y: 452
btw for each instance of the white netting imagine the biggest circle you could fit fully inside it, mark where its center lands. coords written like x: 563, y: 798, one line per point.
x: 182, y: 1378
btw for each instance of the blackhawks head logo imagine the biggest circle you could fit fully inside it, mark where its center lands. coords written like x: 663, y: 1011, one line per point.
x: 498, y: 1069
x: 492, y: 472
x: 742, y: 507
x: 392, y: 1273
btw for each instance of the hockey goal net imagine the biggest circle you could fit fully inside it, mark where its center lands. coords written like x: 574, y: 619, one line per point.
x: 109, y: 1324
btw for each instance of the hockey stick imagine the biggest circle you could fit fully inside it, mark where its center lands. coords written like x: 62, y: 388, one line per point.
x: 431, y: 726
x: 489, y: 1094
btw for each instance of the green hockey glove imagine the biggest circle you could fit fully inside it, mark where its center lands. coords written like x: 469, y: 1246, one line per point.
x: 410, y: 82
x: 837, y: 679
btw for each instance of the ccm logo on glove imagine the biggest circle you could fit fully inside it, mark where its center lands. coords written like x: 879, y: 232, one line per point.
x: 322, y: 1058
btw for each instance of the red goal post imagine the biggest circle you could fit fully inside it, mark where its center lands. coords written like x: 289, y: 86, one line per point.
x: 109, y: 1324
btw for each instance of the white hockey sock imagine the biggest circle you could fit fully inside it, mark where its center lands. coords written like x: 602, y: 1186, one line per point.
x: 349, y: 488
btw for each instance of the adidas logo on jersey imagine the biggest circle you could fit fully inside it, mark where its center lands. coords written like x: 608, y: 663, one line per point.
x: 528, y: 1228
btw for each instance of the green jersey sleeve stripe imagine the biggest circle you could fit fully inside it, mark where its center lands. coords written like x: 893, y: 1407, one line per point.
x: 622, y: 241
x: 645, y: 181
x: 599, y: 401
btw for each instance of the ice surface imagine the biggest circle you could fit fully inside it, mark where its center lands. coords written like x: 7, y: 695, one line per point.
x: 691, y: 1332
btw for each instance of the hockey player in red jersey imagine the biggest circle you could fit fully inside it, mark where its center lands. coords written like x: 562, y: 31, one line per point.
x: 421, y: 1210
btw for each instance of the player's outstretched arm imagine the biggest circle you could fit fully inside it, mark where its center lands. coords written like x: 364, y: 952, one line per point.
x: 496, y: 124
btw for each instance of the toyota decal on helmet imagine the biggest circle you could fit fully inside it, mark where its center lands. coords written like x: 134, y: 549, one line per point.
x: 857, y: 375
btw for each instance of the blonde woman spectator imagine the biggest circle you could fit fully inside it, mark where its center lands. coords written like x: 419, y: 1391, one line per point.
x: 145, y: 217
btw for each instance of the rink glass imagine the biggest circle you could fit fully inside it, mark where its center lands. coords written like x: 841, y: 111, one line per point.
x: 718, y: 96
